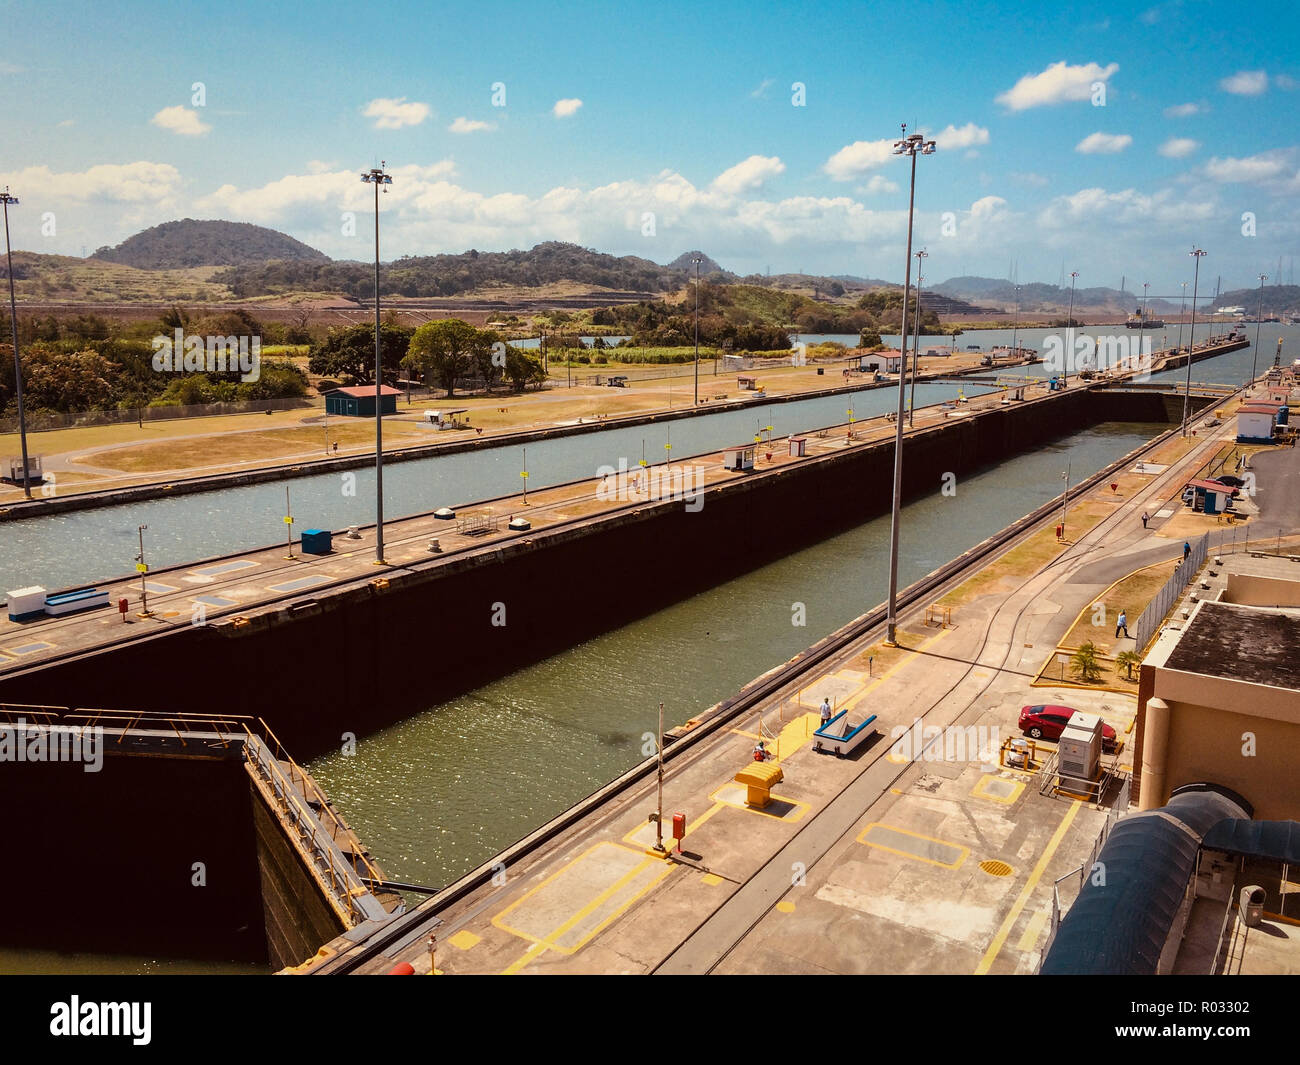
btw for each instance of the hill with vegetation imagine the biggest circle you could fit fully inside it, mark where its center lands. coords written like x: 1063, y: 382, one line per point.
x: 1278, y: 299
x: 189, y: 243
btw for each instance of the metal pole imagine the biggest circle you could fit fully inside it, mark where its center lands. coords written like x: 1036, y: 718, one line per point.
x: 1015, y: 351
x: 659, y: 817
x: 288, y: 522
x: 1069, y: 329
x: 1065, y: 497
x: 697, y: 331
x: 1196, y: 254
x: 6, y: 199
x: 891, y: 620
x: 916, y: 341
x: 377, y: 177
x: 1259, y: 320
x: 144, y: 568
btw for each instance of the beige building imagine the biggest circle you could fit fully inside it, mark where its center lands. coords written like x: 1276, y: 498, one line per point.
x: 1219, y: 699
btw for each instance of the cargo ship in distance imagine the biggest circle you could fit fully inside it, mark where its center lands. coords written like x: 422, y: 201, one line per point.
x: 1139, y: 320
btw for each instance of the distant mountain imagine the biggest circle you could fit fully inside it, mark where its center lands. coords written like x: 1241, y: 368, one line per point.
x: 1278, y: 299
x: 709, y: 266
x: 1037, y: 295
x: 188, y: 243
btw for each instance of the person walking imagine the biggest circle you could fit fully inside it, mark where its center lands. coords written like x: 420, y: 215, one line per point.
x: 826, y: 712
x: 1145, y: 518
x: 1122, y: 623
x: 1187, y: 550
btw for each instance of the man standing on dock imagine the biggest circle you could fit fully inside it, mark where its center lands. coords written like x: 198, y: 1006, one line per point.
x: 826, y: 712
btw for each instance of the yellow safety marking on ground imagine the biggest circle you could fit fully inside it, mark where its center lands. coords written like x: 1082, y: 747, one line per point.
x: 862, y: 838
x: 894, y: 791
x: 853, y: 700
x: 464, y: 940
x: 793, y: 735
x: 796, y: 810
x: 552, y: 939
x: 711, y: 879
x: 995, y: 948
x: 749, y: 735
x: 981, y: 790
x: 648, y: 829
x: 1033, y: 930
x: 785, y: 907
x: 534, y: 951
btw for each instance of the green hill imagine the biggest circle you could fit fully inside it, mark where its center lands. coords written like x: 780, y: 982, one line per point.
x: 189, y: 243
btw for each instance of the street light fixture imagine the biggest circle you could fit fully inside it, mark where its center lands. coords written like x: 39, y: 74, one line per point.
x: 377, y: 177
x: 697, y: 260
x: 1069, y: 327
x: 916, y: 342
x: 913, y: 146
x: 1196, y: 255
x: 1015, y: 327
x: 1259, y: 320
x: 7, y: 200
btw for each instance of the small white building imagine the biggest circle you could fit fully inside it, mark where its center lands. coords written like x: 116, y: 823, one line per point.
x: 1255, y: 424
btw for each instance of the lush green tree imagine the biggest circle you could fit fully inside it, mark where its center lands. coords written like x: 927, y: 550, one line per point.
x: 1086, y: 663
x: 445, y: 351
x: 67, y: 381
x: 1130, y: 660
x: 523, y: 369
x: 350, y: 353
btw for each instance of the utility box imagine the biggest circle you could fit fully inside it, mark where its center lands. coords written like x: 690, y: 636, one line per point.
x: 1079, y: 748
x: 27, y: 603
x: 738, y: 458
x: 798, y: 447
x: 317, y: 542
x: 1252, y: 905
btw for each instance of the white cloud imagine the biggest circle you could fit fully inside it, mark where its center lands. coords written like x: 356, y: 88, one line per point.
x: 180, y: 120
x: 1245, y: 83
x: 396, y: 113
x: 1103, y: 143
x: 1058, y: 83
x: 467, y: 125
x: 1183, y: 110
x: 877, y: 184
x: 761, y: 92
x: 749, y: 174
x: 140, y: 182
x: 966, y: 137
x: 1285, y: 81
x: 1034, y: 181
x: 1178, y: 147
x: 857, y: 158
x: 1087, y: 209
x: 1251, y: 169
x: 10, y: 68
x: 66, y: 123
x: 565, y: 108
x: 320, y: 166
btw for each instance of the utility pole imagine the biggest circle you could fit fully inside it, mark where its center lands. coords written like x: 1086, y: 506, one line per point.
x: 1196, y: 255
x: 1259, y: 320
x: 916, y: 342
x: 913, y: 145
x: 1069, y: 328
x: 697, y: 260
x: 7, y: 200
x: 377, y: 177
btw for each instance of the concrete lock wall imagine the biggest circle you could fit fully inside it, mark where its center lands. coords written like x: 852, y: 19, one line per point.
x: 362, y: 658
x: 106, y: 861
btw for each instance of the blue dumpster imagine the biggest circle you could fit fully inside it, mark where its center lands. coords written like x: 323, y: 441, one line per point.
x: 317, y: 542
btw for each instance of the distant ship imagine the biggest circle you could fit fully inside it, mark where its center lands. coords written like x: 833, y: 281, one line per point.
x: 1138, y: 320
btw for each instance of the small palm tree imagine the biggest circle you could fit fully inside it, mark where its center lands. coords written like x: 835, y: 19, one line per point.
x: 1086, y: 663
x: 1130, y: 660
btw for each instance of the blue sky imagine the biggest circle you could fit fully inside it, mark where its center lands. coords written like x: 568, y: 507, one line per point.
x: 652, y: 129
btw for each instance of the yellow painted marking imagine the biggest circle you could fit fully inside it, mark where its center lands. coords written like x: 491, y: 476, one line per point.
x: 691, y: 826
x: 534, y: 951
x: 711, y: 879
x: 990, y: 955
x: 785, y: 907
x: 464, y: 940
x: 979, y: 790
x: 550, y: 940
x: 894, y: 791
x: 799, y: 811
x: 741, y: 732
x: 1033, y: 930
x: 965, y: 851
x: 875, y: 681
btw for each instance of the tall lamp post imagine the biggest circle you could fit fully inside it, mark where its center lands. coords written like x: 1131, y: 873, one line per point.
x: 7, y: 200
x: 916, y: 342
x: 1069, y: 326
x: 1196, y: 254
x: 913, y: 146
x: 1015, y: 327
x: 697, y: 260
x: 1259, y: 320
x: 377, y: 177
x: 1182, y: 304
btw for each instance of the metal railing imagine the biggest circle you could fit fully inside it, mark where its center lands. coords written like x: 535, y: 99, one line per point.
x: 1149, y: 621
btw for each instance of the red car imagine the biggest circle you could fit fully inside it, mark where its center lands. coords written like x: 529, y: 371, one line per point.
x: 1048, y: 722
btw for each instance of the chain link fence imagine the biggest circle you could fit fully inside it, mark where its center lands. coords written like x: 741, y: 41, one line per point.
x: 1149, y: 621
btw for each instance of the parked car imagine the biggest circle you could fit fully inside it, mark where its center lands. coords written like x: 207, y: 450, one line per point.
x: 1048, y: 722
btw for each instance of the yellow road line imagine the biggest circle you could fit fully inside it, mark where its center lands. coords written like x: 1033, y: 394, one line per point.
x: 1033, y: 930
x: 986, y: 963
x: 906, y: 659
